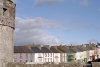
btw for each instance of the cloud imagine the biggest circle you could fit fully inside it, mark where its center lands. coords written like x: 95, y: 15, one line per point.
x: 85, y: 3
x: 74, y: 25
x: 37, y: 22
x: 29, y: 31
x: 41, y: 2
x: 98, y: 9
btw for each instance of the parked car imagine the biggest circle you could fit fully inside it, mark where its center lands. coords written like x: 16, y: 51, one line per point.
x: 89, y: 64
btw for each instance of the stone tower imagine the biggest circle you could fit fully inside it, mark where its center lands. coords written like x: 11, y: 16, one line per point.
x: 7, y: 26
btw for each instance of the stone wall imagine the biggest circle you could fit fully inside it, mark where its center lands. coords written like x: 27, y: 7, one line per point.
x: 6, y: 43
x: 7, y: 13
x: 45, y: 65
x: 95, y: 64
x: 7, y: 25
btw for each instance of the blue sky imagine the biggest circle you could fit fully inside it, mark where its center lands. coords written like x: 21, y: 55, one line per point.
x: 57, y: 22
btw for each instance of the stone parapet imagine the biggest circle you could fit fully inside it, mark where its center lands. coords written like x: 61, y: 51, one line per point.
x: 7, y: 13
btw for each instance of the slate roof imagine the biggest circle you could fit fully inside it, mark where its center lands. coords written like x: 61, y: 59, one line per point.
x: 60, y: 49
x: 22, y: 49
x: 75, y: 49
x: 68, y: 50
x: 90, y: 48
x: 84, y: 48
x: 46, y: 50
x: 79, y: 48
x: 54, y: 50
x: 36, y: 50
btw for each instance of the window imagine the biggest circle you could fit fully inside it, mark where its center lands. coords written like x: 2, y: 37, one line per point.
x: 20, y: 60
x: 46, y: 59
x: 26, y: 60
x: 31, y: 56
x: 30, y: 60
x: 5, y: 12
x: 20, y: 56
x: 14, y: 60
x: 15, y: 56
x: 26, y: 56
x: 50, y: 54
x: 45, y: 55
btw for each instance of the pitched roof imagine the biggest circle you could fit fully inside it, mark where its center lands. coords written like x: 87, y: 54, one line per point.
x: 90, y: 48
x: 75, y: 49
x: 22, y: 49
x: 62, y: 50
x: 46, y: 50
x: 68, y: 50
x: 84, y: 48
x: 54, y: 50
x: 36, y: 50
x: 79, y: 48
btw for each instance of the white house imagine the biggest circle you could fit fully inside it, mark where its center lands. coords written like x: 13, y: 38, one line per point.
x: 38, y: 54
x: 48, y: 54
x: 23, y: 54
x: 77, y: 54
x: 63, y: 54
x: 56, y: 55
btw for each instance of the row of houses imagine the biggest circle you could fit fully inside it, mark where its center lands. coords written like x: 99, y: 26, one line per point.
x: 56, y: 54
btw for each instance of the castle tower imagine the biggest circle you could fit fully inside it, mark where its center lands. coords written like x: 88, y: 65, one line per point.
x: 7, y: 26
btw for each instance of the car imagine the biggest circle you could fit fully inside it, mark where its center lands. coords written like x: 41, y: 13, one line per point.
x: 89, y: 64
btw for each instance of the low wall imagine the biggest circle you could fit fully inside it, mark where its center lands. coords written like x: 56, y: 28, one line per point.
x: 95, y: 64
x: 45, y: 65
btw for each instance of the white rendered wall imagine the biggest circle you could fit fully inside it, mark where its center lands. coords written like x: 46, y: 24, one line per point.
x: 29, y: 58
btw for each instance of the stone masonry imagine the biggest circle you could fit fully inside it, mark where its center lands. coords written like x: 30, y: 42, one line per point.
x: 7, y: 26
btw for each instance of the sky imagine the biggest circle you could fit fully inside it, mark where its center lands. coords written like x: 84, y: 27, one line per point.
x: 55, y: 22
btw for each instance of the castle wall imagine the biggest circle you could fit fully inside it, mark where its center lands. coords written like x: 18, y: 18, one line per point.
x: 6, y: 44
x: 7, y: 25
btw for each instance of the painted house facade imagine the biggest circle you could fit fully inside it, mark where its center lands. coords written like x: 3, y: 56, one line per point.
x: 98, y: 50
x: 23, y: 54
x: 70, y: 54
x: 48, y: 55
x: 56, y: 55
x: 63, y: 54
x: 38, y: 54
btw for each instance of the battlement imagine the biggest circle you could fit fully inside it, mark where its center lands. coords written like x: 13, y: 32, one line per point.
x: 7, y: 13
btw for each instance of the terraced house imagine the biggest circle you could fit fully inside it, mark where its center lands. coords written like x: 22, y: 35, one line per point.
x: 23, y: 54
x: 70, y: 54
x: 38, y: 54
x: 57, y: 54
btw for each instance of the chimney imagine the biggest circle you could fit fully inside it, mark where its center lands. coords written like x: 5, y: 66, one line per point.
x: 67, y: 47
x: 83, y: 45
x: 39, y: 46
x: 47, y: 46
x: 60, y: 46
x: 54, y: 47
x: 28, y: 45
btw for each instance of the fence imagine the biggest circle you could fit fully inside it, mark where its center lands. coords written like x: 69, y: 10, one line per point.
x: 45, y: 65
